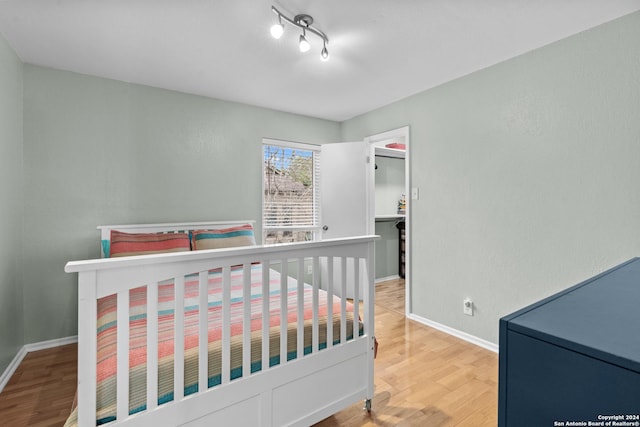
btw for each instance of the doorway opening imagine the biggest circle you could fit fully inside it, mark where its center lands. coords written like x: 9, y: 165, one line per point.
x: 389, y: 209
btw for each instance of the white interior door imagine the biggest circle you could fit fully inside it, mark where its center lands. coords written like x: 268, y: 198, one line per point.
x: 344, y: 189
x: 344, y: 186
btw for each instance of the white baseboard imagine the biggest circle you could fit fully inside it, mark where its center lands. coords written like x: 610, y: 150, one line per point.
x: 455, y: 332
x: 43, y: 345
x: 384, y: 279
x: 28, y: 348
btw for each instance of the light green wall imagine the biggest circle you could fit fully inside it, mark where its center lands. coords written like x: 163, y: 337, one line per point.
x: 105, y: 152
x: 528, y: 175
x: 389, y: 184
x: 11, y: 205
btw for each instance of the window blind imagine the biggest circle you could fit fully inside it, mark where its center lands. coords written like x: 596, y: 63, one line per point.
x: 291, y: 196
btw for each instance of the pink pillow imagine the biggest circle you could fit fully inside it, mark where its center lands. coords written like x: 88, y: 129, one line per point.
x: 127, y: 244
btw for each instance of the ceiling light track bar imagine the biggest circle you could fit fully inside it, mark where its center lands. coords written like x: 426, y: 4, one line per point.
x: 303, y: 22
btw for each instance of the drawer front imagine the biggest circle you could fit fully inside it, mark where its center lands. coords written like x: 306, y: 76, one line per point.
x: 547, y: 384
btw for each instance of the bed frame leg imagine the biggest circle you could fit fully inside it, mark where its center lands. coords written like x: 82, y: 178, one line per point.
x: 367, y: 405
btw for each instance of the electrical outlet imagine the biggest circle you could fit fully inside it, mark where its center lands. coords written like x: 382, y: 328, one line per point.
x: 467, y: 307
x: 309, y: 269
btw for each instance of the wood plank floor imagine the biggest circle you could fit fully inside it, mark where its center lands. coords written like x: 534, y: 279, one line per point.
x: 41, y: 391
x: 423, y: 378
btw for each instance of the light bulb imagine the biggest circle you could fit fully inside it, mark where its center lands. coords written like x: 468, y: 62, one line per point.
x: 277, y: 30
x: 324, y: 54
x: 304, y: 44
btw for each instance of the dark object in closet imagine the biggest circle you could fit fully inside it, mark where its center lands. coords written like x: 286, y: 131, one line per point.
x: 401, y: 250
x: 574, y: 356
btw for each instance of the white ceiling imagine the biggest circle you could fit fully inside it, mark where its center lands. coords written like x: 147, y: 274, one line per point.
x: 381, y: 50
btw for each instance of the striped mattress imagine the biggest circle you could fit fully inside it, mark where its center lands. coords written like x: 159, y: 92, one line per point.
x: 106, y: 369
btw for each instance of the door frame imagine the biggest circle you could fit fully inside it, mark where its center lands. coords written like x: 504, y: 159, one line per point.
x: 404, y: 133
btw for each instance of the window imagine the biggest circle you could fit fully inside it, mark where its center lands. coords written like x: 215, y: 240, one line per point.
x: 290, y: 196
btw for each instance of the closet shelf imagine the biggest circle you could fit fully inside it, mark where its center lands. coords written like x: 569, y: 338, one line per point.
x: 390, y: 152
x: 391, y: 217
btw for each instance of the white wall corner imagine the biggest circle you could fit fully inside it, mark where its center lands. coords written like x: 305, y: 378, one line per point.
x: 6, y: 375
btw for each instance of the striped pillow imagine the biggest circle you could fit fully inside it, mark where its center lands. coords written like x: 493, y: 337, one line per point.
x: 127, y: 244
x: 241, y: 235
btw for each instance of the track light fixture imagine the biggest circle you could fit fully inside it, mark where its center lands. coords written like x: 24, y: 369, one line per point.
x: 303, y: 22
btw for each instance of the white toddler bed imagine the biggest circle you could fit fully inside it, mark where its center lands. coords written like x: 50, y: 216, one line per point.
x: 293, y: 355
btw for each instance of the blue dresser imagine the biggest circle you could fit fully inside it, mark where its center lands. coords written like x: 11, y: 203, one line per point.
x: 574, y: 357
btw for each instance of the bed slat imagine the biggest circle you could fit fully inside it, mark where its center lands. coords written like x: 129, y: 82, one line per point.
x: 284, y: 308
x: 316, y: 321
x: 300, y: 313
x: 343, y: 300
x: 356, y: 296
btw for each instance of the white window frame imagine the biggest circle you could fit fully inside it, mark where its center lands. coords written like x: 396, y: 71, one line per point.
x: 314, y: 227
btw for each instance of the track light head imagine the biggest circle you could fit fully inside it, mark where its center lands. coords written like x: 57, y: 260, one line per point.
x: 324, y: 54
x: 277, y: 29
x: 304, y: 44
